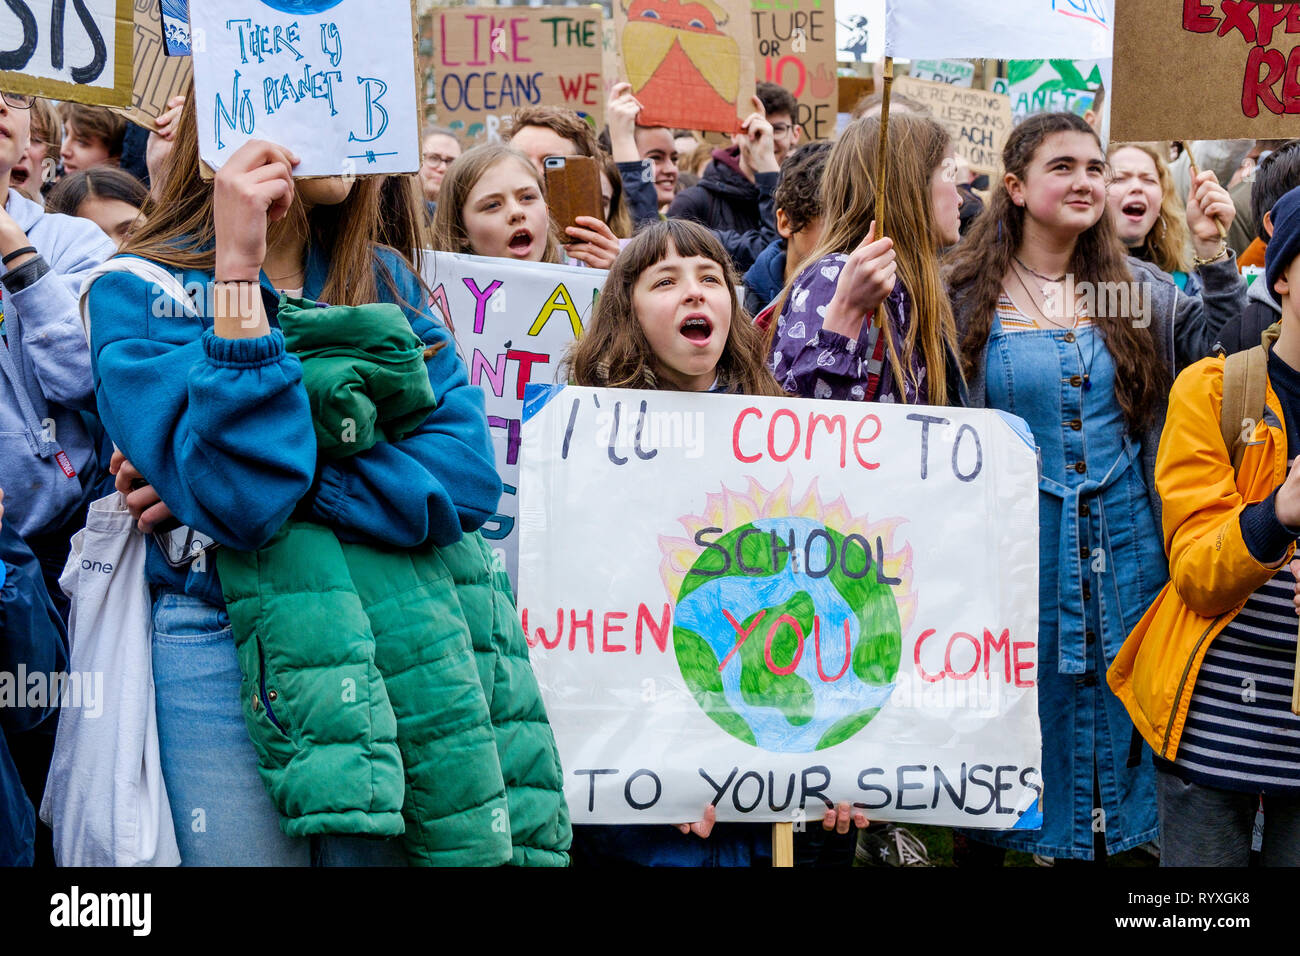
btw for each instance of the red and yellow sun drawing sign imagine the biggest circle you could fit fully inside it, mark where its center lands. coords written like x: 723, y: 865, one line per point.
x: 690, y: 62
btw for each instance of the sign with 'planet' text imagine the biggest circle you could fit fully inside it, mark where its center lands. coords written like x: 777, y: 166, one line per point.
x: 513, y: 322
x: 776, y: 604
x: 332, y: 80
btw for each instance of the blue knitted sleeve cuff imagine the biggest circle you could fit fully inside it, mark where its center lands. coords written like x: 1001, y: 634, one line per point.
x: 1266, y: 536
x: 244, y: 353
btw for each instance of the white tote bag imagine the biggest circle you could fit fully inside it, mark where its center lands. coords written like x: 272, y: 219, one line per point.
x: 105, y: 798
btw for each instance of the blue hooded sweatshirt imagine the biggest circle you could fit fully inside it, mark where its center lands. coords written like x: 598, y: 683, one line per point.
x: 222, y: 429
x: 45, y: 370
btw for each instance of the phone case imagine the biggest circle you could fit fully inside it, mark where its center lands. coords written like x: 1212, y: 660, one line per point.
x: 574, y: 190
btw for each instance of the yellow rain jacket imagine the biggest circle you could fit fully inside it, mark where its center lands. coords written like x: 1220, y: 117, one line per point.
x: 1211, y: 571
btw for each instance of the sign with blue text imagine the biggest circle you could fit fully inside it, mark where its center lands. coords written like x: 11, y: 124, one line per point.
x: 316, y: 76
x: 776, y: 604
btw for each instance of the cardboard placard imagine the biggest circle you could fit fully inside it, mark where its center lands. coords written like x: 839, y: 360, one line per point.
x: 739, y: 600
x: 81, y: 55
x: 952, y: 72
x: 978, y: 121
x: 318, y: 78
x: 513, y: 322
x: 1009, y: 29
x: 690, y: 62
x: 794, y: 44
x: 1051, y: 86
x: 157, y: 76
x: 492, y: 60
x: 850, y: 89
x: 611, y: 55
x: 1243, y: 83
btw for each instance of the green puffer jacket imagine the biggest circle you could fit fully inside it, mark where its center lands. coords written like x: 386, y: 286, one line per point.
x: 389, y: 691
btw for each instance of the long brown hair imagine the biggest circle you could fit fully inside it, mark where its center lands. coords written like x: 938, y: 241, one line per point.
x: 977, y: 266
x: 620, y: 221
x: 180, y: 232
x: 1167, y: 242
x: 614, y: 351
x: 917, y: 147
x: 449, y: 233
x: 405, y: 224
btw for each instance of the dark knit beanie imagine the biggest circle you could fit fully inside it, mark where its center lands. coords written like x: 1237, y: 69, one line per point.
x: 1285, y: 244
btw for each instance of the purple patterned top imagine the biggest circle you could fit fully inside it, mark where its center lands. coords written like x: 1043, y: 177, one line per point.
x: 811, y: 362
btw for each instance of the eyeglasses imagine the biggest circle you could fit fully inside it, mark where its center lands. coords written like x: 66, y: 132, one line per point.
x: 433, y: 159
x: 19, y: 101
x: 780, y: 129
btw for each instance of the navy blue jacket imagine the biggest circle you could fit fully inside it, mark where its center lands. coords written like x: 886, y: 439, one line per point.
x: 31, y: 638
x: 765, y: 278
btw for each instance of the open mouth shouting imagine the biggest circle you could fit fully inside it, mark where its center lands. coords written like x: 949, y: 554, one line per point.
x: 697, y: 329
x: 521, y: 243
x: 1134, y: 210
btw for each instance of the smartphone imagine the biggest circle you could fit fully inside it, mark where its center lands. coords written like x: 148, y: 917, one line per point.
x: 182, y: 545
x: 572, y: 190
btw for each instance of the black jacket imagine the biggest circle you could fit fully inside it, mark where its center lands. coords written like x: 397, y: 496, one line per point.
x: 1244, y: 331
x: 723, y: 199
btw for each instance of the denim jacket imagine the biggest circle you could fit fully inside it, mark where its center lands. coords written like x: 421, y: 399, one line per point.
x: 1101, y: 555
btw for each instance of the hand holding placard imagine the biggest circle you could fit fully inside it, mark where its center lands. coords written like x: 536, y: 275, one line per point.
x: 757, y: 145
x: 252, y: 189
x: 1210, y: 211
x: 863, y: 284
x: 621, y: 111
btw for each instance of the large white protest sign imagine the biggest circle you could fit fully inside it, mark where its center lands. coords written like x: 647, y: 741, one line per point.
x: 513, y: 322
x: 80, y: 52
x: 776, y: 604
x: 1010, y: 29
x: 333, y: 80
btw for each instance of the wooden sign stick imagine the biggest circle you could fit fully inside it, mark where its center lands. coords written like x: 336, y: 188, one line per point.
x: 1295, y: 686
x: 882, y: 160
x: 1191, y: 159
x: 783, y: 844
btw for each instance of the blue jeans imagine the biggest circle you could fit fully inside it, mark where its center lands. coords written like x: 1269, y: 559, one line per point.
x: 221, y: 811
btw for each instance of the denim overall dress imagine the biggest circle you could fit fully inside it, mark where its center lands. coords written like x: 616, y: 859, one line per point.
x: 1101, y: 564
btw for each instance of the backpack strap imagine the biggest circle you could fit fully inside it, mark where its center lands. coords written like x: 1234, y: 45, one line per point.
x: 1245, y: 390
x: 161, y: 280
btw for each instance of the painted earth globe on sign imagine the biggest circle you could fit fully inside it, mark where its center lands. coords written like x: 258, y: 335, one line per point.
x: 787, y: 631
x: 302, y: 7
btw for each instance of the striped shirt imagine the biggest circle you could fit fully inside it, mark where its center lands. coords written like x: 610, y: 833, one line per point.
x: 1240, y: 732
x: 1013, y: 320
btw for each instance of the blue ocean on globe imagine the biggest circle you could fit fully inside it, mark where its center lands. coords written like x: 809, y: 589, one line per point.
x: 701, y: 612
x: 302, y: 6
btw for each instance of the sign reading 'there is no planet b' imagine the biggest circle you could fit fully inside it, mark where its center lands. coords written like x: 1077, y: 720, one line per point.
x: 316, y: 76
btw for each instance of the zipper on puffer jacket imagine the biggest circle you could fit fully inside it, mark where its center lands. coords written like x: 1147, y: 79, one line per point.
x: 261, y: 681
x: 1182, y: 681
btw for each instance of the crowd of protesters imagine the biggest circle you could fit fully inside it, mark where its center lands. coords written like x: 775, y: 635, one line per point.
x: 753, y: 267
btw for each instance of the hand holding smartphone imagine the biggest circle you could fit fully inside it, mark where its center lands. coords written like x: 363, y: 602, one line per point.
x: 573, y: 190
